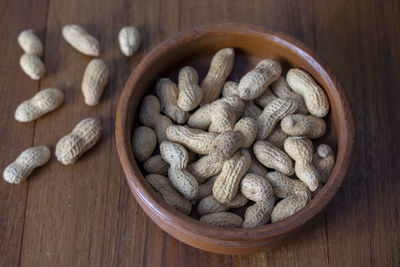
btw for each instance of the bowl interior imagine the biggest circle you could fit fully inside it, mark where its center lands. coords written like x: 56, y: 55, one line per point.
x: 196, y: 48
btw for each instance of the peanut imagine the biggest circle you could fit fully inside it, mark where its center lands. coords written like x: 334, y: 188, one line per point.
x: 156, y: 165
x: 25, y: 163
x: 30, y: 43
x: 205, y: 189
x: 32, y: 66
x: 43, y: 102
x: 256, y: 188
x: 222, y: 118
x: 190, y: 93
x: 94, y: 80
x: 223, y: 219
x: 255, y: 82
x: 150, y: 116
x: 177, y: 157
x: 314, y: 96
x: 81, y: 40
x: 272, y: 157
x: 220, y: 68
x: 167, y: 93
x: 284, y: 186
x: 289, y: 206
x: 226, y: 186
x: 277, y: 137
x: 211, y: 205
x: 266, y: 98
x: 144, y: 141
x: 83, y: 137
x: 258, y: 213
x: 302, y: 125
x: 257, y: 168
x: 281, y: 89
x: 274, y: 112
x: 227, y: 143
x: 205, y: 168
x: 301, y: 150
x: 193, y: 139
x: 170, y: 195
x: 129, y: 39
x: 324, y: 161
x: 230, y: 88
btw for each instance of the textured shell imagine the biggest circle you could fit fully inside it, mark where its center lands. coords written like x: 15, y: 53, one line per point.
x: 94, y: 80
x: 170, y: 195
x: 223, y: 219
x: 274, y: 112
x: 222, y: 118
x: 144, y: 141
x: 168, y: 93
x: 272, y: 157
x: 226, y: 186
x: 230, y: 88
x: 235, y: 102
x: 277, y: 137
x: 257, y: 168
x: 174, y: 154
x: 259, y: 213
x: 43, y: 102
x: 150, y: 116
x: 193, y: 139
x: 25, y: 163
x: 211, y: 205
x: 156, y: 165
x: 255, y: 82
x: 205, y: 189
x: 32, y: 66
x: 30, y: 43
x: 129, y: 39
x: 299, y: 148
x: 314, y: 96
x: 284, y: 186
x: 266, y: 98
x: 289, y: 206
x: 220, y: 68
x: 83, y: 137
x: 256, y: 188
x: 251, y: 110
x: 302, y: 125
x: 324, y: 161
x: 190, y: 93
x: 281, y: 89
x: 81, y: 40
x: 205, y: 168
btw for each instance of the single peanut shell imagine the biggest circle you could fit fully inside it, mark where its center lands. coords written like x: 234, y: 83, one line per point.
x: 94, y: 80
x: 43, y: 102
x: 190, y: 93
x: 266, y: 98
x: 324, y: 162
x: 314, y: 96
x: 284, y: 186
x: 205, y: 168
x: 129, y: 39
x: 211, y: 205
x: 272, y: 157
x: 220, y: 68
x: 144, y: 141
x: 25, y: 163
x: 81, y: 40
x: 83, y: 137
x: 289, y: 206
x: 256, y: 188
x: 281, y: 89
x: 259, y: 213
x: 30, y: 43
x: 302, y: 125
x: 32, y: 66
x: 223, y: 219
x: 277, y: 137
x: 230, y: 88
x: 222, y: 118
x: 156, y: 165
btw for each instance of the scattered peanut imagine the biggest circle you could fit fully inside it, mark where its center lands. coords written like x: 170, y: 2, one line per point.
x: 81, y: 40
x: 284, y: 186
x: 314, y: 96
x: 205, y: 168
x: 170, y: 195
x: 177, y: 157
x: 25, y: 163
x: 255, y: 82
x: 230, y: 88
x: 190, y: 93
x: 156, y: 165
x: 222, y: 118
x: 220, y: 68
x: 144, y: 141
x: 94, y: 80
x: 301, y: 150
x: 43, y: 102
x: 129, y: 39
x: 30, y: 43
x: 193, y: 139
x: 281, y: 89
x: 211, y: 205
x: 302, y: 125
x: 258, y: 213
x: 223, y: 219
x: 289, y: 206
x: 256, y: 188
x: 32, y: 66
x: 83, y: 137
x: 324, y: 161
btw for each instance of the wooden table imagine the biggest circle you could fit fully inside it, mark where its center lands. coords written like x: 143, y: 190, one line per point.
x: 85, y: 215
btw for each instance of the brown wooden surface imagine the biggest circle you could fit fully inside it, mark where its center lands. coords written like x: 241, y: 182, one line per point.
x: 85, y: 215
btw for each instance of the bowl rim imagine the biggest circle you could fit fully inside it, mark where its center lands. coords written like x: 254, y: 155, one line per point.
x: 208, y: 233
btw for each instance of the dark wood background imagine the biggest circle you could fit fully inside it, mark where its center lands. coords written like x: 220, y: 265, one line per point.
x: 85, y: 215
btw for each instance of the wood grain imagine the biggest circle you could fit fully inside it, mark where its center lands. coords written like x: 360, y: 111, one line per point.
x: 85, y: 215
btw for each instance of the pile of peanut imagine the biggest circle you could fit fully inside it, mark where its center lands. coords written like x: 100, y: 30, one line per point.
x: 226, y: 145
x: 87, y: 132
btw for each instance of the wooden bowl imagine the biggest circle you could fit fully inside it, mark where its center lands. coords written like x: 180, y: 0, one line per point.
x: 251, y: 43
